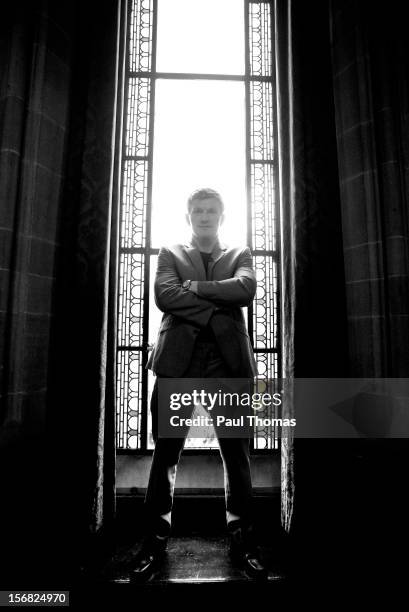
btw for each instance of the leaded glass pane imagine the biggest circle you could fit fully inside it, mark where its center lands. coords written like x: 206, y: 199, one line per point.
x: 260, y: 39
x: 129, y: 399
x: 261, y: 118
x: 137, y: 128
x: 134, y: 199
x: 263, y: 207
x: 265, y: 434
x: 140, y: 35
x: 130, y: 303
x: 265, y: 305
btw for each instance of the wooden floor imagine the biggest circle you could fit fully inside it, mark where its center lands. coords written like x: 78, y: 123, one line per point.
x: 198, y: 549
x: 194, y: 567
x: 189, y: 560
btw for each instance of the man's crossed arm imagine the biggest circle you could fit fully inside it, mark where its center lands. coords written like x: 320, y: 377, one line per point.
x: 199, y: 304
x: 236, y: 291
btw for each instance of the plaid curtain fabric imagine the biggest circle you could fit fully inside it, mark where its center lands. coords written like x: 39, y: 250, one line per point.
x: 370, y: 53
x: 59, y: 94
x: 313, y: 302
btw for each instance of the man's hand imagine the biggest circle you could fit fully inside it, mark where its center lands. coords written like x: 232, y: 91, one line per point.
x: 171, y: 298
x: 193, y: 287
x: 236, y: 291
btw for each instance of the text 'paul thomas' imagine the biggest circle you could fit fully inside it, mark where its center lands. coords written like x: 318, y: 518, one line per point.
x: 222, y: 421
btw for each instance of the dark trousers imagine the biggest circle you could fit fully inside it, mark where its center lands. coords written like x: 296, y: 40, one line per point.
x: 207, y: 362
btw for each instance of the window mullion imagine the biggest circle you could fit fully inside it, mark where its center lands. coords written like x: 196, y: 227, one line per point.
x: 147, y: 267
x: 262, y: 199
x: 135, y: 214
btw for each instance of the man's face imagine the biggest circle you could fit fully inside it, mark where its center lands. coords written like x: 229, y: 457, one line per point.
x: 205, y: 218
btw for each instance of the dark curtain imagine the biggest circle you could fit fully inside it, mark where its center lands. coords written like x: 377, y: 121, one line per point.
x: 313, y: 303
x: 343, y: 114
x: 370, y: 51
x: 285, y: 121
x: 60, y: 63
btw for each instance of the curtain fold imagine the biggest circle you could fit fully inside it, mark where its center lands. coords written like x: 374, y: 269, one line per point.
x: 82, y: 408
x: 285, y: 120
x: 313, y: 308
x: 35, y: 56
x: 59, y: 182
x: 370, y: 53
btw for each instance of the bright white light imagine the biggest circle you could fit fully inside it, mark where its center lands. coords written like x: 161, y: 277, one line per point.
x: 199, y: 142
x: 199, y: 137
x: 202, y: 36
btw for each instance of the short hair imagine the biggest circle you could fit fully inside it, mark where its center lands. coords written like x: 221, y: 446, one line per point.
x: 204, y: 194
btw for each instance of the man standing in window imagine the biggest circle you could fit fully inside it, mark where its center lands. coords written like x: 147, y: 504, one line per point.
x: 200, y: 287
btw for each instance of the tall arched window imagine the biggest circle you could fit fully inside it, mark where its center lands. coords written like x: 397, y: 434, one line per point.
x: 199, y: 111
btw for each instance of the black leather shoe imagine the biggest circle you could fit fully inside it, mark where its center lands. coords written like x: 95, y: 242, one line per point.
x: 244, y: 552
x: 149, y: 557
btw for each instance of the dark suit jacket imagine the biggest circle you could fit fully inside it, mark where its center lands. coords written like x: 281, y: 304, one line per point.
x: 231, y: 285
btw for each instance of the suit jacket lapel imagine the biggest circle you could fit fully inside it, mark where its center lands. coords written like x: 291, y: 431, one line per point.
x: 217, y: 253
x: 196, y: 259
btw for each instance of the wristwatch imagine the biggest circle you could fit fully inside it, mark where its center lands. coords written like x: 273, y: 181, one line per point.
x: 186, y: 284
